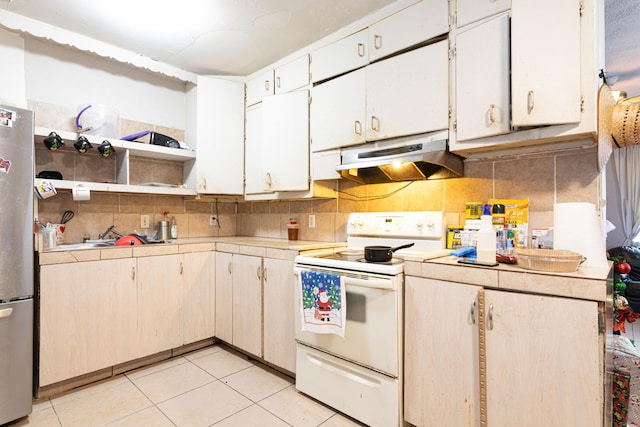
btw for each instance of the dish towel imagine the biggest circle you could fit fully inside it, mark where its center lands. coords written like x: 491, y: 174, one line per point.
x: 323, y: 303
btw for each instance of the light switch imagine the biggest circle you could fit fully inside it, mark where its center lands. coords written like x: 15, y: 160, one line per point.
x: 144, y: 221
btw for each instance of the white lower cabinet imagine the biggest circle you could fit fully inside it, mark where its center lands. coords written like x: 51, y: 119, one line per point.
x: 88, y: 313
x: 476, y: 356
x: 247, y: 303
x: 255, y: 306
x: 279, y: 306
x: 239, y: 301
x: 133, y: 307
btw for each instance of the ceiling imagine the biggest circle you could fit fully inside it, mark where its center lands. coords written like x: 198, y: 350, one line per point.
x: 224, y: 37
x: 622, y: 45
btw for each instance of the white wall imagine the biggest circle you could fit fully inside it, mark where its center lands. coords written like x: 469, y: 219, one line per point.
x: 12, y: 78
x: 67, y: 77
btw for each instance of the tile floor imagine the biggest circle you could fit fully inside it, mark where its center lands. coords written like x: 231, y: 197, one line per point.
x: 214, y: 386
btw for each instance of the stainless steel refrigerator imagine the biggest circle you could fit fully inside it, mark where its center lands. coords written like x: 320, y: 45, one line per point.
x: 16, y: 263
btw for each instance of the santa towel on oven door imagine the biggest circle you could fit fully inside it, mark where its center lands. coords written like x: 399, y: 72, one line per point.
x: 323, y: 303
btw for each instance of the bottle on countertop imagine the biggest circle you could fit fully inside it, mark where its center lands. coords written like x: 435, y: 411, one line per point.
x: 174, y: 228
x: 486, y: 237
x: 164, y: 227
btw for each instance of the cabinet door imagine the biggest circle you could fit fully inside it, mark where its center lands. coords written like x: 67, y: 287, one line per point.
x: 482, y: 80
x: 410, y: 26
x: 542, y: 360
x: 408, y: 94
x: 220, y: 136
x: 338, y: 112
x: 199, y: 303
x: 259, y: 87
x: 285, y: 141
x: 469, y: 11
x: 224, y: 296
x: 247, y: 303
x: 441, y: 382
x: 340, y: 57
x: 292, y: 75
x: 253, y: 148
x: 159, y: 304
x: 545, y: 62
x: 279, y: 297
x: 83, y: 307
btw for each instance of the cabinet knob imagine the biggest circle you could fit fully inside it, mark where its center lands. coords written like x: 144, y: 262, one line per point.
x: 492, y: 113
x: 377, y: 41
x: 490, y: 318
x: 357, y: 127
x: 530, y: 102
x: 375, y: 124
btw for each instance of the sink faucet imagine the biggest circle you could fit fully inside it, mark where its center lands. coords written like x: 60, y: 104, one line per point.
x: 107, y: 231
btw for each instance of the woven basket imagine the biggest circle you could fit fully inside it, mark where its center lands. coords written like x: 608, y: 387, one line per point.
x: 548, y: 260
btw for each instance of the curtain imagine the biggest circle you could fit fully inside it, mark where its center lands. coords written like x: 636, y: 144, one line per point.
x: 626, y: 169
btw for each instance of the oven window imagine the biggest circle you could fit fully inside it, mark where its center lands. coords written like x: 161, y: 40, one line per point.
x: 356, y: 307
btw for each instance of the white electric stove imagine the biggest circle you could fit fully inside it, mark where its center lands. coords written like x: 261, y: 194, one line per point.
x: 360, y: 374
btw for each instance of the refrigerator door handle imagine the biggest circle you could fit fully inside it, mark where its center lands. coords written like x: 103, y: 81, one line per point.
x: 6, y: 312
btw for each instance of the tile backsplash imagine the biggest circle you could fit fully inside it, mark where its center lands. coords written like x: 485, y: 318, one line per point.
x: 544, y: 179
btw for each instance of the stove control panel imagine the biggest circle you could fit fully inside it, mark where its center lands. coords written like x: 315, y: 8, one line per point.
x: 425, y: 224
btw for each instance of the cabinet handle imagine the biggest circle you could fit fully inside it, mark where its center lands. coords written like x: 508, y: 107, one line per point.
x: 266, y: 85
x: 490, y: 318
x: 204, y: 183
x: 530, y: 102
x: 264, y: 274
x: 375, y: 123
x: 361, y: 49
x: 267, y: 179
x: 473, y: 312
x: 181, y: 268
x: 377, y: 41
x: 6, y: 312
x: 492, y: 113
x: 357, y: 127
x: 278, y: 82
x: 258, y: 273
x: 133, y: 273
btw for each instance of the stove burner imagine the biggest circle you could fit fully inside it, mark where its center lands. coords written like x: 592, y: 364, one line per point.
x: 350, y: 252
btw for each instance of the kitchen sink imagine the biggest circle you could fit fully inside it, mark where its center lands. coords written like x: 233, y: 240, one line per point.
x: 90, y: 244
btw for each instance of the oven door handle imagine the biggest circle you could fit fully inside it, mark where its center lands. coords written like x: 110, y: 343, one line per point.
x: 354, y: 279
x: 368, y: 282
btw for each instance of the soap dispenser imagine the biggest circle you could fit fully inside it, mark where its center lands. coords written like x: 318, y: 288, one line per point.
x: 486, y: 240
x: 174, y: 228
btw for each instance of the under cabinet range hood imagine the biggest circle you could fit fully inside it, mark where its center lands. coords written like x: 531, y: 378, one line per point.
x: 410, y: 158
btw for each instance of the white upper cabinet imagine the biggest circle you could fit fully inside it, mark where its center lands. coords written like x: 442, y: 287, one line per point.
x: 219, y: 130
x: 338, y: 112
x: 409, y: 93
x: 545, y: 52
x: 290, y: 76
x: 285, y: 142
x: 404, y: 95
x: 547, y: 73
x: 415, y: 24
x: 340, y: 57
x: 483, y: 56
x: 259, y: 87
x: 469, y: 11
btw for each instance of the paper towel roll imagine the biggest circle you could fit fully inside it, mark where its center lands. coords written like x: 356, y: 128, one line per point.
x: 80, y: 192
x: 577, y: 228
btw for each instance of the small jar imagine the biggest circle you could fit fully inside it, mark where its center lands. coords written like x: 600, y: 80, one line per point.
x: 293, y: 229
x: 473, y: 210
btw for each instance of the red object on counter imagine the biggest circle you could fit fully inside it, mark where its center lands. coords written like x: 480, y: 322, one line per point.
x: 129, y: 240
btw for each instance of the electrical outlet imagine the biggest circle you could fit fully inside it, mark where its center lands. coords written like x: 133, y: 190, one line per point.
x: 312, y: 221
x: 213, y: 220
x: 144, y: 221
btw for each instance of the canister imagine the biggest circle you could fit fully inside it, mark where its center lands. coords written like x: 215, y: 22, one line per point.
x: 473, y: 210
x: 163, y: 230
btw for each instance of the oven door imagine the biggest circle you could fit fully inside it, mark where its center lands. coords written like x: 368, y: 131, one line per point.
x: 373, y: 329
